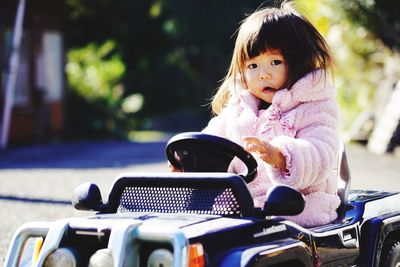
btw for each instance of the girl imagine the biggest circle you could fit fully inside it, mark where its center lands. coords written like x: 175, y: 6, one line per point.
x: 278, y: 102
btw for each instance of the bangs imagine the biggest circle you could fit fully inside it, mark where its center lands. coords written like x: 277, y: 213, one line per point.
x: 264, y: 35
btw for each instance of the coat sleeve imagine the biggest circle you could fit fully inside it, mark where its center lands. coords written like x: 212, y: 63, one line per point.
x: 312, y: 153
x: 215, y: 126
x: 218, y: 124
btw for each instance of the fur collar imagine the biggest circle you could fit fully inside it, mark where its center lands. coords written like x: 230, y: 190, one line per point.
x: 314, y: 86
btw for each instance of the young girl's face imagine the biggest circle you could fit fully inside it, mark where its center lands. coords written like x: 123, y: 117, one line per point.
x: 266, y: 74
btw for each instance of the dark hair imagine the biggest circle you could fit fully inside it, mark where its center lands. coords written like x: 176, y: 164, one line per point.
x: 298, y: 40
x: 281, y: 28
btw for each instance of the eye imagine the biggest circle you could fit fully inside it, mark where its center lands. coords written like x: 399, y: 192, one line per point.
x: 252, y: 66
x: 276, y: 62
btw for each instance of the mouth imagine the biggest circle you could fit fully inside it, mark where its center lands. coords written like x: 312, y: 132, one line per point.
x: 269, y: 89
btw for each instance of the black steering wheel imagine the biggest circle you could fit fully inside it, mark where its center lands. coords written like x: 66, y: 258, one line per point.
x: 199, y: 152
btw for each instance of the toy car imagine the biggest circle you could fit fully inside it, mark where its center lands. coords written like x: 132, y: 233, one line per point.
x: 205, y: 216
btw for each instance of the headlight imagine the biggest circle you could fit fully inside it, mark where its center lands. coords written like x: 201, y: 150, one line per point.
x: 61, y: 257
x: 160, y: 257
x: 30, y: 251
x: 102, y: 258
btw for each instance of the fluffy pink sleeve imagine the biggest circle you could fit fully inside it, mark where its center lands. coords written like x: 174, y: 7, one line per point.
x: 215, y: 126
x: 312, y: 153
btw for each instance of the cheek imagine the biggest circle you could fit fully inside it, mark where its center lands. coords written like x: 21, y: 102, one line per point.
x: 285, y: 74
x: 283, y: 77
x: 249, y: 76
x: 244, y: 78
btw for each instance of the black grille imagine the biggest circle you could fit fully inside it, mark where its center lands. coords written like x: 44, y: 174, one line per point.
x: 179, y: 200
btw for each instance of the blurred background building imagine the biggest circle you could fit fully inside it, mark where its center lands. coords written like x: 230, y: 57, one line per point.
x: 38, y: 106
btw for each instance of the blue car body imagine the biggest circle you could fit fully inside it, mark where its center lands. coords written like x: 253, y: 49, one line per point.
x: 242, y: 238
x: 199, y: 219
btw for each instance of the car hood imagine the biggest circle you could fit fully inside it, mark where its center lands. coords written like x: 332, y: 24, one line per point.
x: 190, y: 224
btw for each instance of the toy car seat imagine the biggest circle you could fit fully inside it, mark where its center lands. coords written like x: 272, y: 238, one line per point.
x: 343, y: 174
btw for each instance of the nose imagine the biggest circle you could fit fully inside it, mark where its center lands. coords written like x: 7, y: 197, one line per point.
x: 265, y: 74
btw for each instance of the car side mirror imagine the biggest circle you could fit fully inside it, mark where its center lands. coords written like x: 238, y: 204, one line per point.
x: 283, y: 200
x: 87, y: 196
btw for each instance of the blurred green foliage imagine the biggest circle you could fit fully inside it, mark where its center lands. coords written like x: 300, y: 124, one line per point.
x: 95, y: 73
x: 168, y: 56
x: 381, y: 17
x: 174, y: 52
x: 100, y: 109
x: 360, y: 56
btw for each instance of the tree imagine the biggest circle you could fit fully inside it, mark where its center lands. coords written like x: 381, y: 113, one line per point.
x: 174, y: 52
x: 379, y: 16
x: 382, y: 18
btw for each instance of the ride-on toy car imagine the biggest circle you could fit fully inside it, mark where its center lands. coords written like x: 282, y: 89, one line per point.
x: 206, y: 217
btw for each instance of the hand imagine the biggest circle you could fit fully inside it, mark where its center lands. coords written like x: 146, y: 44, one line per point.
x: 265, y: 151
x: 172, y: 168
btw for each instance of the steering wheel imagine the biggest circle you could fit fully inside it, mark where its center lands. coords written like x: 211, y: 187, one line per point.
x: 199, y: 152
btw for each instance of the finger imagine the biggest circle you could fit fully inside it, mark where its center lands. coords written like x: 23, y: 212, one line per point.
x: 254, y: 140
x: 172, y: 168
x: 258, y: 151
x: 257, y: 147
x: 251, y: 146
x: 251, y: 139
x: 265, y: 157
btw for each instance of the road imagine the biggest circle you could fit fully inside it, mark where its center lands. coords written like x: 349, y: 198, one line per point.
x: 37, y: 182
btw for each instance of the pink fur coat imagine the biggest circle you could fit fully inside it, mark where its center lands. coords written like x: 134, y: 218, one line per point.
x: 303, y: 123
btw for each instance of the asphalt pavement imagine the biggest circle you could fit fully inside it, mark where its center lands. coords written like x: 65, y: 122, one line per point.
x: 36, y: 182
